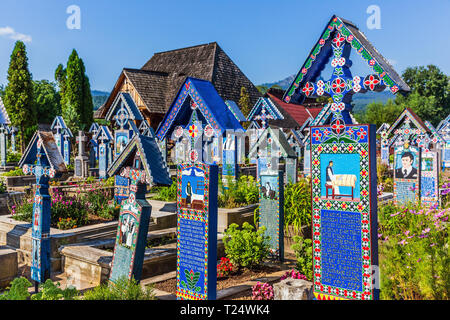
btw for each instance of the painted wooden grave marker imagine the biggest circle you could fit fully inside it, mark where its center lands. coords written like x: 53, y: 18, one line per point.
x: 43, y: 159
x: 429, y: 178
x: 344, y: 209
x: 271, y: 211
x: 196, y: 231
x: 407, y: 161
x: 142, y: 164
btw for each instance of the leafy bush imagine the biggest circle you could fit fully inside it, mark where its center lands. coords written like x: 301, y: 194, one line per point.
x: 18, y: 290
x: 244, y: 191
x: 303, y: 252
x: 51, y: 291
x: 246, y: 248
x: 414, y: 252
x: 3, y: 187
x: 13, y: 157
x: 13, y: 173
x: 297, y: 204
x: 167, y: 193
x: 123, y: 289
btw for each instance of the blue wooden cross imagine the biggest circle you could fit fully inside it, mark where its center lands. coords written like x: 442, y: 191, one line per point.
x: 342, y: 85
x: 40, y: 234
x: 132, y: 230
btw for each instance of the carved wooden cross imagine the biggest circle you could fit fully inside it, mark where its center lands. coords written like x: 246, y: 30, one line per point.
x: 40, y: 268
x: 342, y: 85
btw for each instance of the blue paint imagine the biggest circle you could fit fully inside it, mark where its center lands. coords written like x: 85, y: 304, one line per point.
x: 341, y: 249
x: 342, y: 164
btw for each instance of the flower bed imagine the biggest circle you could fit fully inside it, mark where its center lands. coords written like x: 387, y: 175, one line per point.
x: 87, y: 204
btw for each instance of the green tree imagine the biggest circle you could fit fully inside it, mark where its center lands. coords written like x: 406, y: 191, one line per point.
x: 2, y: 91
x: 244, y: 101
x: 262, y: 89
x: 47, y: 101
x: 76, y: 99
x: 18, y: 98
x: 430, y: 93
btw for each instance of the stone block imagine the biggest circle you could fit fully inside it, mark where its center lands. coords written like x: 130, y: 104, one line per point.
x: 8, y: 265
x: 293, y: 289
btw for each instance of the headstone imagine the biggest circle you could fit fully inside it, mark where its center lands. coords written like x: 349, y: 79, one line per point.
x: 229, y: 165
x: 40, y: 232
x: 291, y: 170
x: 271, y: 211
x: 13, y: 139
x: 196, y: 231
x: 67, y: 149
x: 131, y: 238
x: 407, y: 161
x: 344, y: 215
x: 429, y: 180
x: 81, y: 161
x: 3, y: 146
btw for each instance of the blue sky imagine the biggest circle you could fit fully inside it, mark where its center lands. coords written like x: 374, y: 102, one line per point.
x: 268, y: 40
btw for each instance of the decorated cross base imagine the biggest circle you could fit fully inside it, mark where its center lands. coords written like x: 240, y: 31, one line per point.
x: 131, y: 238
x: 196, y: 231
x: 271, y: 211
x: 344, y: 212
x: 40, y: 232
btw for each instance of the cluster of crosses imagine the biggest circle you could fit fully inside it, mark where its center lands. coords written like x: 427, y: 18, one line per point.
x: 339, y: 155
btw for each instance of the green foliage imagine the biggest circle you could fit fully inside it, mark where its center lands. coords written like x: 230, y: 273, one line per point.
x: 429, y: 98
x: 76, y: 98
x: 385, y: 177
x: 414, y: 252
x: 50, y: 291
x: 246, y: 248
x: 378, y: 113
x: 3, y: 187
x: 244, y: 101
x: 122, y: 289
x: 13, y: 157
x: 47, y: 101
x: 303, y: 252
x: 244, y: 191
x: 297, y: 204
x: 18, y: 290
x: 18, y: 97
x: 167, y: 194
x: 13, y: 173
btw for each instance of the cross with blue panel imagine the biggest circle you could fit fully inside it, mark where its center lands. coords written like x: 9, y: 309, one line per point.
x: 40, y: 234
x: 134, y: 218
x: 343, y: 162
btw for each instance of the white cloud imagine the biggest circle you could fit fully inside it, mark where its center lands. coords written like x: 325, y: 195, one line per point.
x: 12, y: 34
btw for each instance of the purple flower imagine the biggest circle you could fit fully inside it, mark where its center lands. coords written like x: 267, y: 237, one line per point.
x: 426, y: 230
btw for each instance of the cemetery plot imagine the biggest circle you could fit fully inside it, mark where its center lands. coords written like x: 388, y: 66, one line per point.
x: 196, y: 231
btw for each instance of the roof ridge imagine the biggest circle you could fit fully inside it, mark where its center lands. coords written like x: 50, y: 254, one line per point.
x: 145, y: 71
x: 191, y: 47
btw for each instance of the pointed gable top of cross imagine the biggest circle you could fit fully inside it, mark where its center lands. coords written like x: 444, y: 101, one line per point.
x: 151, y: 158
x: 123, y: 108
x: 322, y: 51
x: 280, y: 140
x: 50, y: 148
x: 409, y: 116
x: 59, y: 124
x: 202, y: 95
x: 103, y: 133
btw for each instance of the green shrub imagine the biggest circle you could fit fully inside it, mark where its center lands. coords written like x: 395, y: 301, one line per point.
x: 167, y: 193
x: 13, y: 173
x: 303, y: 252
x: 246, y: 248
x: 297, y: 204
x: 50, y: 291
x: 414, y: 252
x: 122, y: 289
x: 18, y: 290
x: 13, y: 157
x: 244, y: 191
x: 3, y: 187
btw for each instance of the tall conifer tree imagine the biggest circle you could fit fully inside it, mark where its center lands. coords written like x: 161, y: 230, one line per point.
x: 18, y: 98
